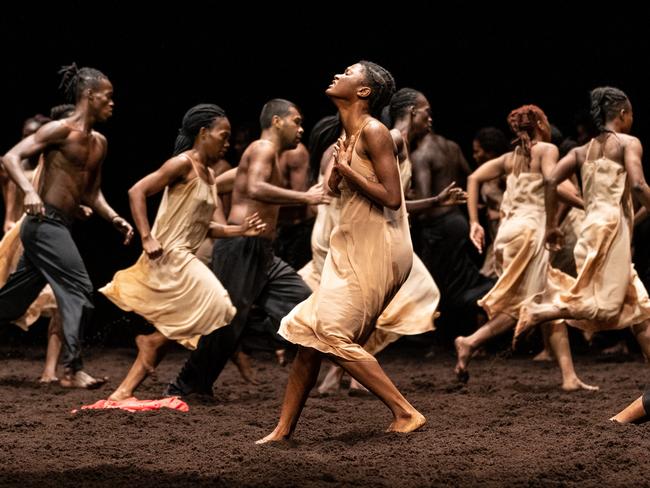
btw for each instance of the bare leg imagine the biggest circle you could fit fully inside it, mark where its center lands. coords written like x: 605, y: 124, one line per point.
x: 332, y: 381
x: 465, y: 346
x: 150, y: 352
x: 545, y: 354
x: 642, y: 333
x: 634, y: 411
x: 303, y: 376
x: 54, y: 344
x: 536, y: 314
x: 243, y: 363
x: 559, y: 343
x: 405, y: 417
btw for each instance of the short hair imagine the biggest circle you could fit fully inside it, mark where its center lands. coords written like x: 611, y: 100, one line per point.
x: 492, y: 140
x: 277, y: 106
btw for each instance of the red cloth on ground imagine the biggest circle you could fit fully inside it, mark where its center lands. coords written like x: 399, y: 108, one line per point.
x: 134, y: 405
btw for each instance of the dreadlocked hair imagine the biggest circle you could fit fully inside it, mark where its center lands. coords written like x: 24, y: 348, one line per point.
x: 523, y: 122
x: 74, y: 80
x: 199, y: 116
x: 606, y: 102
x: 381, y: 84
x: 324, y: 133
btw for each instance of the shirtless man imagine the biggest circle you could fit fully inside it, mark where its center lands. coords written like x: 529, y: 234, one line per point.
x: 246, y: 266
x: 73, y: 154
x: 442, y: 244
x: 293, y: 243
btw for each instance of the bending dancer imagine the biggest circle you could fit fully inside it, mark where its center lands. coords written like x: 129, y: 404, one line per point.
x: 607, y: 293
x: 168, y: 285
x: 370, y: 256
x: 521, y: 259
x: 246, y: 266
x: 73, y: 156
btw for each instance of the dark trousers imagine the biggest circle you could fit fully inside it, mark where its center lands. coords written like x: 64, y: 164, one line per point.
x: 51, y: 256
x: 252, y: 274
x: 646, y: 403
x: 443, y: 248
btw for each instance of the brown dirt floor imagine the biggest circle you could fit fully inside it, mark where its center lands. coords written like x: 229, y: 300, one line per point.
x: 510, y: 426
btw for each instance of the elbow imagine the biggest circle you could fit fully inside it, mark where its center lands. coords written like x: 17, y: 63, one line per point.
x: 394, y: 203
x: 638, y: 187
x: 135, y: 194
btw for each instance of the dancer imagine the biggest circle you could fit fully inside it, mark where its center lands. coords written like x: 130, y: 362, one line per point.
x: 370, y: 256
x: 521, y: 258
x: 607, y: 293
x: 74, y: 153
x: 268, y: 281
x: 11, y: 249
x: 168, y: 285
x: 413, y: 309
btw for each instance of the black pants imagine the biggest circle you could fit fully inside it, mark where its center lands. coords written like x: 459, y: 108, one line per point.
x: 443, y: 248
x: 293, y: 244
x: 252, y: 274
x: 51, y: 256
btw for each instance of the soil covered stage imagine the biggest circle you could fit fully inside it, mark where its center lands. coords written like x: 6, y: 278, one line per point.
x: 511, y: 425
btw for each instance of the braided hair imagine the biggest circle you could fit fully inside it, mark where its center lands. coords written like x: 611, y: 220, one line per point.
x: 202, y: 115
x: 523, y: 122
x: 74, y: 80
x: 381, y: 84
x: 606, y: 103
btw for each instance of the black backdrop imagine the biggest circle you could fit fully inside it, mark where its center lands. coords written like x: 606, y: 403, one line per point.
x: 473, y: 63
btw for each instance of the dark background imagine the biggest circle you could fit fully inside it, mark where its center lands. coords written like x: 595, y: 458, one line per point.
x: 474, y: 64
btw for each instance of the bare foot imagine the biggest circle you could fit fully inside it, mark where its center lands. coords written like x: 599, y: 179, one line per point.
x: 281, y: 356
x: 243, y: 363
x: 81, y: 379
x: 463, y: 353
x: 634, y: 412
x: 526, y: 320
x: 355, y: 385
x: 331, y: 384
x: 408, y: 423
x: 620, y: 348
x: 47, y: 379
x: 544, y: 355
x: 275, y: 436
x: 119, y: 395
x: 575, y: 384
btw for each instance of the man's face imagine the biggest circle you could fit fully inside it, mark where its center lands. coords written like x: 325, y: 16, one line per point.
x: 100, y: 100
x: 291, y: 130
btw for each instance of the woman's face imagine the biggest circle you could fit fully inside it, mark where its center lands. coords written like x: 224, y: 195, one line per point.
x: 216, y: 138
x: 345, y: 85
